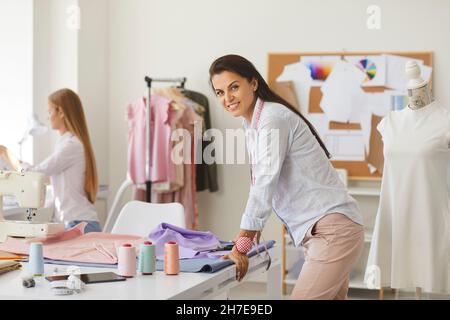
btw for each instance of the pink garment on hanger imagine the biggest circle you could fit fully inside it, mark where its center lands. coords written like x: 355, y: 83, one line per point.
x: 74, y: 245
x: 162, y: 167
x: 187, y: 194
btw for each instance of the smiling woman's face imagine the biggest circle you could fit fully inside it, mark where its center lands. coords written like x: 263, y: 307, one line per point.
x: 236, y: 93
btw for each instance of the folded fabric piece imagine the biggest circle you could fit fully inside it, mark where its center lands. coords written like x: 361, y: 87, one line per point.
x: 190, y: 242
x: 9, y: 256
x: 73, y: 245
x: 6, y: 266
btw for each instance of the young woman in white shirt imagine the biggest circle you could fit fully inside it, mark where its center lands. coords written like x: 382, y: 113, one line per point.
x: 292, y: 176
x: 71, y: 167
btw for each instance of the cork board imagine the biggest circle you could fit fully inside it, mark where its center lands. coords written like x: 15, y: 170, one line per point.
x: 357, y: 170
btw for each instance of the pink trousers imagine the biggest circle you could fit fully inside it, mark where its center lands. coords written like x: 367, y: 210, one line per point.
x: 331, y: 246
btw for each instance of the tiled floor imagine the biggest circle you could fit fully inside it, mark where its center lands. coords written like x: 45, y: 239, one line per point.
x: 257, y: 291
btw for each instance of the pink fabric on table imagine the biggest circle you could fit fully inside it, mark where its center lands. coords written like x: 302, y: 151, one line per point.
x: 162, y: 167
x: 74, y: 245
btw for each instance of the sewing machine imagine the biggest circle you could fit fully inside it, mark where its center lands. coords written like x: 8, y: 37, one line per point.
x: 29, y: 190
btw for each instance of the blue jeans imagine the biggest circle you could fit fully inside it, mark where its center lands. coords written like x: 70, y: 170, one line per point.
x: 92, y: 226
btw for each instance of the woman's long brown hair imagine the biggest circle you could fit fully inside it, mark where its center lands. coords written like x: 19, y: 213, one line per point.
x: 75, y: 121
x: 246, y: 69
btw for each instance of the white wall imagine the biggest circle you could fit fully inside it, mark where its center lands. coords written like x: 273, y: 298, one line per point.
x: 55, y: 62
x: 41, y: 74
x: 181, y: 38
x: 71, y: 50
x: 16, y: 73
x: 76, y: 58
x: 93, y: 77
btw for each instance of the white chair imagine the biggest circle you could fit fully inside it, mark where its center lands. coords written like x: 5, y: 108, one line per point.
x: 114, y: 210
x: 139, y: 218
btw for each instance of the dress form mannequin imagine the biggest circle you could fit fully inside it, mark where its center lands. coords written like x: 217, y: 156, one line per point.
x: 410, y: 239
x: 419, y: 92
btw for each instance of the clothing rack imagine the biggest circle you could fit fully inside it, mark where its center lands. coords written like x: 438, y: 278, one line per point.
x: 149, y: 81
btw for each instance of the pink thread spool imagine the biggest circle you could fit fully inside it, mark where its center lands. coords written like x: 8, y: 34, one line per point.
x: 126, y: 261
x: 171, y: 258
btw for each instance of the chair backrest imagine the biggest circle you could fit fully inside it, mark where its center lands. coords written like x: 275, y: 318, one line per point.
x: 139, y: 218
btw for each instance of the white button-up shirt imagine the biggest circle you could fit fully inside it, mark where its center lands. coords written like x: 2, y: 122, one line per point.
x: 66, y: 169
x: 291, y: 174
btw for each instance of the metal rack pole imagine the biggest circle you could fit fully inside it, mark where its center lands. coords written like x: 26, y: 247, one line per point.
x: 148, y: 151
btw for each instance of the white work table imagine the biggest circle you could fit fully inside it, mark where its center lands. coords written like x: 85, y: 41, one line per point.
x: 159, y: 286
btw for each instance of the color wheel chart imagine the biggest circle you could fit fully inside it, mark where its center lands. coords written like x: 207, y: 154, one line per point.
x: 368, y: 67
x: 320, y: 70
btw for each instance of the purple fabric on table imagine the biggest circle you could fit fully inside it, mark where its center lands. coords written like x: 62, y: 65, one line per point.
x: 190, y: 242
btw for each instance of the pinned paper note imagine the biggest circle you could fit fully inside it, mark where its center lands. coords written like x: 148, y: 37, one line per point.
x: 341, y: 91
x: 374, y: 67
x: 300, y: 76
x: 346, y: 145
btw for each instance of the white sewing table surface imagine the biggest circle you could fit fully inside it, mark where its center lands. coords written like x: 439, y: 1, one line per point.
x: 158, y: 286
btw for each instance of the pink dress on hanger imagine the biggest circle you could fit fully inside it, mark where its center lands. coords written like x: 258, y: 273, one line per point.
x: 162, y: 167
x: 186, y: 195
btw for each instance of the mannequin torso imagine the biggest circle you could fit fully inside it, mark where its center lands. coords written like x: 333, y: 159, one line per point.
x: 419, y: 97
x: 419, y: 92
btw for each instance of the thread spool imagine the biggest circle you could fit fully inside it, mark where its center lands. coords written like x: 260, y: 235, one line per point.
x: 171, y: 258
x: 126, y: 261
x: 147, y: 258
x: 36, y: 259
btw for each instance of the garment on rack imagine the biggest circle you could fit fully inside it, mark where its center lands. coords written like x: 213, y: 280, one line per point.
x: 187, y: 120
x: 186, y: 195
x: 162, y: 168
x: 206, y: 173
x: 171, y: 186
x: 410, y: 244
x: 173, y: 111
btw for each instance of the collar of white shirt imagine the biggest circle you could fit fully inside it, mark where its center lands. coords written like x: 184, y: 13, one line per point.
x: 65, y: 136
x: 252, y: 125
